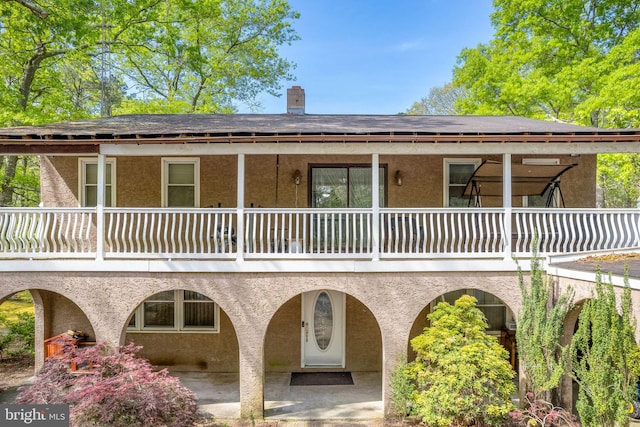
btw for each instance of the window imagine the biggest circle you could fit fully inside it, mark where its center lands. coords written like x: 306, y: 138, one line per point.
x: 341, y: 186
x: 180, y: 183
x: 457, y: 173
x: 88, y: 173
x: 491, y: 306
x: 543, y: 200
x: 176, y: 311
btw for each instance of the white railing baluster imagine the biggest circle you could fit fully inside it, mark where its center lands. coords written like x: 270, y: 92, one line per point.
x: 311, y: 233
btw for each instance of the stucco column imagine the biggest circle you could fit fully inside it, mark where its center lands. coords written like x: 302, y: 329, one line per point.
x: 251, y: 376
x: 39, y: 330
x: 108, y: 316
x: 395, y: 336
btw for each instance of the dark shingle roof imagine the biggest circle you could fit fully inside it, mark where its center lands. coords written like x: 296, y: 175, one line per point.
x: 265, y: 124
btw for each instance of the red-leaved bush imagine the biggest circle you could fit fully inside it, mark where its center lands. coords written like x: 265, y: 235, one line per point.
x: 114, y: 388
x: 539, y: 412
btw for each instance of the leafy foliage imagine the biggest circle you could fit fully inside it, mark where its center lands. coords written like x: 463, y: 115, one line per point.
x: 605, y: 357
x: 572, y: 61
x: 619, y: 178
x: 119, y: 389
x: 73, y: 59
x: 87, y: 56
x: 440, y: 101
x: 461, y: 374
x: 20, y: 336
x: 401, y: 389
x: 566, y: 60
x: 543, y: 361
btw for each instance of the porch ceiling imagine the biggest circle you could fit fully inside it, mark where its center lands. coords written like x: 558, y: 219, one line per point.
x: 85, y: 136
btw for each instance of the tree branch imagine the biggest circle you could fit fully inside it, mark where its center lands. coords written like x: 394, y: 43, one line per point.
x: 39, y: 12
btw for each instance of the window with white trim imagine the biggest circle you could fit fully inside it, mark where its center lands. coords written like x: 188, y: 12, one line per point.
x: 176, y: 311
x: 541, y: 201
x: 457, y: 173
x: 88, y: 182
x: 180, y: 182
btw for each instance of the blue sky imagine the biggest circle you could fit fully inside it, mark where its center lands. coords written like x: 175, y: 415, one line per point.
x: 377, y: 56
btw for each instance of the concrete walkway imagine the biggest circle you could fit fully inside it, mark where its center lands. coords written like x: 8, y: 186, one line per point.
x: 219, y: 396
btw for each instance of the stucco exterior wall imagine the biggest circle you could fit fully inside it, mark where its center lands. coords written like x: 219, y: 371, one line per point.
x: 215, y: 352
x: 260, y: 314
x: 269, y: 180
x: 59, y: 181
x: 102, y: 303
x: 62, y: 314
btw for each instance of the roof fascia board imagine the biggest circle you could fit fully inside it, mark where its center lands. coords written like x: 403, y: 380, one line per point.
x: 370, y: 148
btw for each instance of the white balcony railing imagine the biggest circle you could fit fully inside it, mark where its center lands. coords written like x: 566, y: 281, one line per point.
x: 40, y: 233
x: 46, y: 233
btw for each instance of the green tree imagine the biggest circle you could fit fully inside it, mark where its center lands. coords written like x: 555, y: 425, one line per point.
x: 20, y: 335
x: 461, y: 374
x: 553, y: 59
x: 74, y: 59
x: 542, y: 359
x: 440, y: 101
x: 203, y: 56
x: 605, y: 357
x: 619, y: 179
x: 567, y: 60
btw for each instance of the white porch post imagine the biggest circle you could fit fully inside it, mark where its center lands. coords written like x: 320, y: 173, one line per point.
x: 375, y: 208
x: 506, y: 203
x: 240, y: 210
x: 100, y: 208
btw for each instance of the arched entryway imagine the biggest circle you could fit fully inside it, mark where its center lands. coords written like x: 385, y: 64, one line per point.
x: 190, y: 335
x: 336, y: 339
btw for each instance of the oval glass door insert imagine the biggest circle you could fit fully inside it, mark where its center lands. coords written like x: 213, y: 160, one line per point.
x: 323, y: 320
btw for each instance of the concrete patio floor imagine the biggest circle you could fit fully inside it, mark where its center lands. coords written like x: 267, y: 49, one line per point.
x: 219, y: 396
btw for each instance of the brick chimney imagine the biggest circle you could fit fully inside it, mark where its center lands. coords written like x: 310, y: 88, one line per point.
x: 295, y: 100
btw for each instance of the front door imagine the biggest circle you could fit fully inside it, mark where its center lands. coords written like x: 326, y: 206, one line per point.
x: 323, y: 329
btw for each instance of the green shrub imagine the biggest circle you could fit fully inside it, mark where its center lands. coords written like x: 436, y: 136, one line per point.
x: 20, y: 336
x: 401, y: 390
x: 461, y: 374
x: 605, y: 357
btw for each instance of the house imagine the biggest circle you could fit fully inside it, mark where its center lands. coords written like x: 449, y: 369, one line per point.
x: 253, y: 244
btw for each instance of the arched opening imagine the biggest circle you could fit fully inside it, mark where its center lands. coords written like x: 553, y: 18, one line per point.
x: 51, y: 314
x: 189, y: 334
x: 17, y: 343
x: 300, y: 381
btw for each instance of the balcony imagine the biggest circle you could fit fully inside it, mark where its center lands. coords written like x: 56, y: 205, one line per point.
x: 309, y: 234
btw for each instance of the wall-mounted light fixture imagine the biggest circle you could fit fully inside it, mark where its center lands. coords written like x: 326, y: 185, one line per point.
x: 297, y: 177
x: 399, y: 177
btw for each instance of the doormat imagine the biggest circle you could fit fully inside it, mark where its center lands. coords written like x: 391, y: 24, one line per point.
x: 321, y: 378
